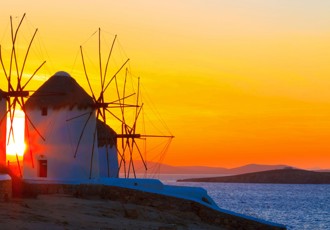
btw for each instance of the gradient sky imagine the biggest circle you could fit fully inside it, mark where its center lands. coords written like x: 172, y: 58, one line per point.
x: 237, y: 82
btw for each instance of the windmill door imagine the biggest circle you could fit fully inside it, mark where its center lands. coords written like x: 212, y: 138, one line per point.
x: 42, y: 168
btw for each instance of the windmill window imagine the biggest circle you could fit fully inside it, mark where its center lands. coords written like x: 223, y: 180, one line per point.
x: 44, y: 111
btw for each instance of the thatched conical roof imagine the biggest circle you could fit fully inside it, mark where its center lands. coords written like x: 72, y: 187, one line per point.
x: 59, y: 91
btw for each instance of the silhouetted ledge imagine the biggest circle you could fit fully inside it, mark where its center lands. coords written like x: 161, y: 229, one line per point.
x: 192, y: 214
x: 280, y: 176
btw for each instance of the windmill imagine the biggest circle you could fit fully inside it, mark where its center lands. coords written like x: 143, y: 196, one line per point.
x: 131, y: 138
x: 14, y: 74
x: 102, y: 109
x: 124, y: 101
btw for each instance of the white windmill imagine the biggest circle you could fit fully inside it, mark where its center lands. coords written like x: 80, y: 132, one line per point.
x: 67, y: 131
x: 55, y: 158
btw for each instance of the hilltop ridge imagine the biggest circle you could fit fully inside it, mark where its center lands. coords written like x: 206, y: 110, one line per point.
x: 278, y: 176
x: 154, y: 167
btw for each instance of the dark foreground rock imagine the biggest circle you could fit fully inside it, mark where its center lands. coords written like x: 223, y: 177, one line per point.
x: 280, y: 176
x: 182, y: 214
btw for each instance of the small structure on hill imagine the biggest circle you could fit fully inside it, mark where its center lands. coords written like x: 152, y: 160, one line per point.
x: 62, y: 144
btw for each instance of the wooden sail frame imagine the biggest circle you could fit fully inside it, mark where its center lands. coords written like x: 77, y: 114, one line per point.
x: 16, y: 95
x: 128, y: 133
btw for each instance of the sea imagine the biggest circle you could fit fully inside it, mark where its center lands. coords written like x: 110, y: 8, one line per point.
x: 298, y: 206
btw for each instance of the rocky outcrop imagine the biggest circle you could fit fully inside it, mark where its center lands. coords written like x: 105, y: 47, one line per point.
x: 157, y: 201
x: 5, y: 187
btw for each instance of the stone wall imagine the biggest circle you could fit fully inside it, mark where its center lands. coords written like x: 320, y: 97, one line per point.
x: 160, y: 202
x: 5, y: 190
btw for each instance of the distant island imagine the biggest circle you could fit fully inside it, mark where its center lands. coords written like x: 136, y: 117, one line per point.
x: 159, y: 168
x: 279, y: 176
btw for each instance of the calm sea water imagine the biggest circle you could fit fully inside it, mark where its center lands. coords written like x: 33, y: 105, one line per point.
x: 296, y: 206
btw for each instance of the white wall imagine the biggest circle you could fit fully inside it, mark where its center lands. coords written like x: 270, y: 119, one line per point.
x: 112, y: 159
x: 61, y: 139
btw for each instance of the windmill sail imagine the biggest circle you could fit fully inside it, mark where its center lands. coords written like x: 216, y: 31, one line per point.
x: 124, y: 112
x: 16, y: 87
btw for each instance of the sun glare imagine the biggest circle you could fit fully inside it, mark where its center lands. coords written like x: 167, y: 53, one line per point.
x: 16, y: 143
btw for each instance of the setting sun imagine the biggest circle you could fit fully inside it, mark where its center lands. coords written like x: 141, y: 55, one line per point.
x: 16, y: 143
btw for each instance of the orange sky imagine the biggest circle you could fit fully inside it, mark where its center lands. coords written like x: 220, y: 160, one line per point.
x: 237, y: 82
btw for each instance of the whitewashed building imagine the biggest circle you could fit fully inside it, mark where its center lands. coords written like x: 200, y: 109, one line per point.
x: 59, y: 111
x: 108, y: 158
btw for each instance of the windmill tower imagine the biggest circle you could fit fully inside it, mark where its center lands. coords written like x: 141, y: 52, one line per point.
x: 107, y: 150
x: 60, y: 117
x: 55, y: 157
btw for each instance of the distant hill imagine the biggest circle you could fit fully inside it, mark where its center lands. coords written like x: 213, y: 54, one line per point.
x: 322, y: 170
x: 279, y: 176
x: 168, y: 169
x: 255, y: 168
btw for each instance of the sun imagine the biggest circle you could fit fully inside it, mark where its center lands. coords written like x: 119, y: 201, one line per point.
x: 16, y: 144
